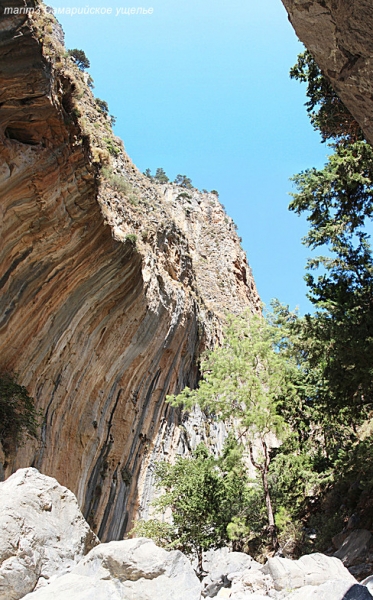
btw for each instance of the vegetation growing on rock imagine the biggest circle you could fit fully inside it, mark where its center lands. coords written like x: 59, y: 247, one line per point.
x: 327, y: 112
x: 18, y: 415
x: 80, y: 58
x: 205, y: 494
x: 183, y: 181
x: 312, y: 373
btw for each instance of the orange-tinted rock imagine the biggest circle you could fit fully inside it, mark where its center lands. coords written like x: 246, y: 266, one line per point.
x: 98, y: 327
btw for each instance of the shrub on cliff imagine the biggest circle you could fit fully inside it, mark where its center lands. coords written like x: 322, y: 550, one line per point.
x: 183, y: 181
x: 80, y: 58
x: 102, y: 105
x: 18, y: 416
x: 160, y: 176
x: 117, y: 182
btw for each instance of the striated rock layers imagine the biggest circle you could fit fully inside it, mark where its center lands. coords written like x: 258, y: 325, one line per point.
x: 110, y: 285
x: 339, y: 35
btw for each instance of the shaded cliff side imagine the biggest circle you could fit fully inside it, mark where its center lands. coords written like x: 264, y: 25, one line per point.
x: 110, y: 285
x: 338, y: 33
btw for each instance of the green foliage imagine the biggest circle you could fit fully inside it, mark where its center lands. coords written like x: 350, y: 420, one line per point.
x: 215, y: 193
x: 102, y: 105
x: 338, y: 204
x: 204, y: 494
x: 245, y: 379
x: 339, y: 337
x: 183, y: 181
x: 80, y: 58
x: 290, y: 534
x: 327, y: 112
x: 75, y: 112
x: 113, y: 149
x: 184, y: 195
x: 338, y: 197
x: 160, y: 176
x: 133, y: 199
x: 132, y: 238
x: 18, y: 416
x: 117, y: 182
x: 161, y: 533
x: 320, y: 474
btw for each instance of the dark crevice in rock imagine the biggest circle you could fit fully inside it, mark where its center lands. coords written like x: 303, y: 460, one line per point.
x: 20, y: 135
x: 17, y: 261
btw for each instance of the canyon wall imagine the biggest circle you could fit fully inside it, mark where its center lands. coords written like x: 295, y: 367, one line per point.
x: 338, y: 33
x: 111, y: 285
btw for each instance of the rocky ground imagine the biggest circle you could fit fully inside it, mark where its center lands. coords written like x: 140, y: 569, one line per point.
x: 47, y: 550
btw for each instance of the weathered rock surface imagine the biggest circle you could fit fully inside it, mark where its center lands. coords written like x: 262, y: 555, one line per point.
x: 339, y: 35
x: 133, y: 569
x: 368, y: 582
x: 313, y: 576
x: 311, y: 569
x: 331, y: 590
x: 220, y: 565
x: 42, y: 532
x: 355, y: 547
x: 100, y: 327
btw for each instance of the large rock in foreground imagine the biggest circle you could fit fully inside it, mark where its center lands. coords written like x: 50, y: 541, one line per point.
x: 219, y: 565
x: 43, y: 534
x: 132, y: 569
x: 312, y: 569
x: 312, y: 577
x: 47, y: 550
x: 331, y: 590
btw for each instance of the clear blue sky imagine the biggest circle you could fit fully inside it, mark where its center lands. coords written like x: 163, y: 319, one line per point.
x: 201, y: 88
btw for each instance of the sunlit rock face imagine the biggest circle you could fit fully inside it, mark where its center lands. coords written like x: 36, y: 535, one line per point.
x: 107, y: 298
x: 339, y: 35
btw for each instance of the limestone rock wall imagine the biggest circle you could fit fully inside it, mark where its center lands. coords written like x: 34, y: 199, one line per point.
x: 339, y: 35
x: 110, y: 285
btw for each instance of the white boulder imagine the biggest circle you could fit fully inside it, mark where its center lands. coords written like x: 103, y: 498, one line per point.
x: 221, y: 565
x: 311, y: 569
x: 127, y: 570
x: 43, y: 534
x: 331, y: 590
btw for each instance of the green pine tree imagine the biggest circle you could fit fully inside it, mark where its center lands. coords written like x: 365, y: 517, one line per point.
x: 245, y: 379
x: 204, y: 495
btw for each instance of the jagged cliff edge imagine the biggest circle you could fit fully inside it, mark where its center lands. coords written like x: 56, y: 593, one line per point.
x: 339, y: 36
x: 100, y: 328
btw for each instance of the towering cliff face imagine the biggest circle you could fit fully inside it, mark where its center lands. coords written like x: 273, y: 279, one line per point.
x: 339, y: 35
x: 111, y: 285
